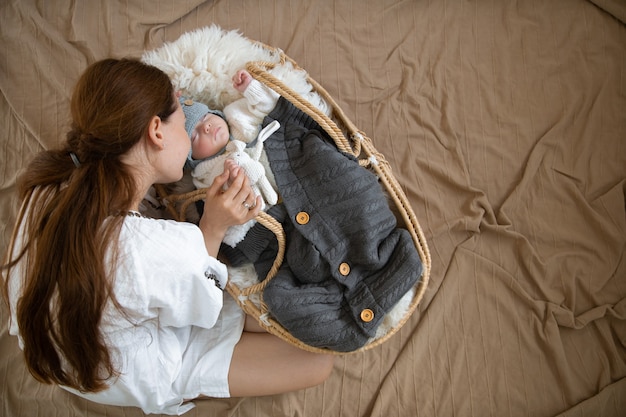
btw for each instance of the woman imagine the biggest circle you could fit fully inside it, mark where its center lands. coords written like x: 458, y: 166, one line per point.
x: 123, y: 309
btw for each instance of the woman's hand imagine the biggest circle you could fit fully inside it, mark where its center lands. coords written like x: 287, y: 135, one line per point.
x: 229, y: 201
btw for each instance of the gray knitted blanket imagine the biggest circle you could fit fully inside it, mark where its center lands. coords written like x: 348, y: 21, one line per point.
x: 346, y: 262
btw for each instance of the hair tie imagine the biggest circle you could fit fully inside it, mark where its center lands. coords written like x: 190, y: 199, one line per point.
x: 75, y: 159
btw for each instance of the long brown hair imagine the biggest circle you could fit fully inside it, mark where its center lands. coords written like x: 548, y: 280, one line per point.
x: 69, y: 229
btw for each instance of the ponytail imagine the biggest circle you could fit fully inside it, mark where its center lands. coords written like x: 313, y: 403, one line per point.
x: 70, y: 200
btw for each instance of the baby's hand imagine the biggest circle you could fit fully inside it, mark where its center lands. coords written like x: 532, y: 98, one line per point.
x: 231, y: 166
x: 242, y: 80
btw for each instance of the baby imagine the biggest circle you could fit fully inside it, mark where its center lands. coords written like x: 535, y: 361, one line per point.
x: 214, y: 142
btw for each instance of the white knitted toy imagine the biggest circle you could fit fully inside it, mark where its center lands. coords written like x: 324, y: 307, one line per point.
x: 248, y: 159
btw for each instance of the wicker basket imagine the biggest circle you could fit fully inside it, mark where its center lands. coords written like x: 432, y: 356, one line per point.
x: 347, y: 139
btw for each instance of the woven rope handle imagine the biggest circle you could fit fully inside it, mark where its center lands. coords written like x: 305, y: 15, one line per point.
x: 259, y: 71
x: 275, y: 227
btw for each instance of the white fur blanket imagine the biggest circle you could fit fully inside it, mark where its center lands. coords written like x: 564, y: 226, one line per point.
x: 201, y: 64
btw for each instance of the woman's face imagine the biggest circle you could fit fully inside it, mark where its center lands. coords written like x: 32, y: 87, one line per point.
x: 176, y: 146
x: 209, y: 136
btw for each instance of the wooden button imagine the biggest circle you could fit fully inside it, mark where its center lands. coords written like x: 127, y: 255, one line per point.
x: 367, y: 315
x: 302, y: 217
x: 188, y: 102
x: 344, y: 269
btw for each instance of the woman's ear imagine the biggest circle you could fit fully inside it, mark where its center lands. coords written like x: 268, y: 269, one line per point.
x: 155, y: 132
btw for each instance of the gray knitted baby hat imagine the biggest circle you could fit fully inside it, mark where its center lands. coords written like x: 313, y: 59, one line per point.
x: 194, y: 112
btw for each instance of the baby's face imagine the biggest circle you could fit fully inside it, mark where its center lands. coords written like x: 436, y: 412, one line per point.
x: 209, y: 136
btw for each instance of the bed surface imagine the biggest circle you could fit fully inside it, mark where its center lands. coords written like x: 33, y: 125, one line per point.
x: 505, y: 124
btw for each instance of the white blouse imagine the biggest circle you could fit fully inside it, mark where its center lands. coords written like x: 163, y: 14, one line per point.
x: 175, y: 337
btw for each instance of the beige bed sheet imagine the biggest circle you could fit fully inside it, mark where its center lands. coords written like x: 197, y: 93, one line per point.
x: 505, y: 123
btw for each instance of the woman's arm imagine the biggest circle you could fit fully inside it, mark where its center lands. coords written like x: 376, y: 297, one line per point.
x: 229, y: 201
